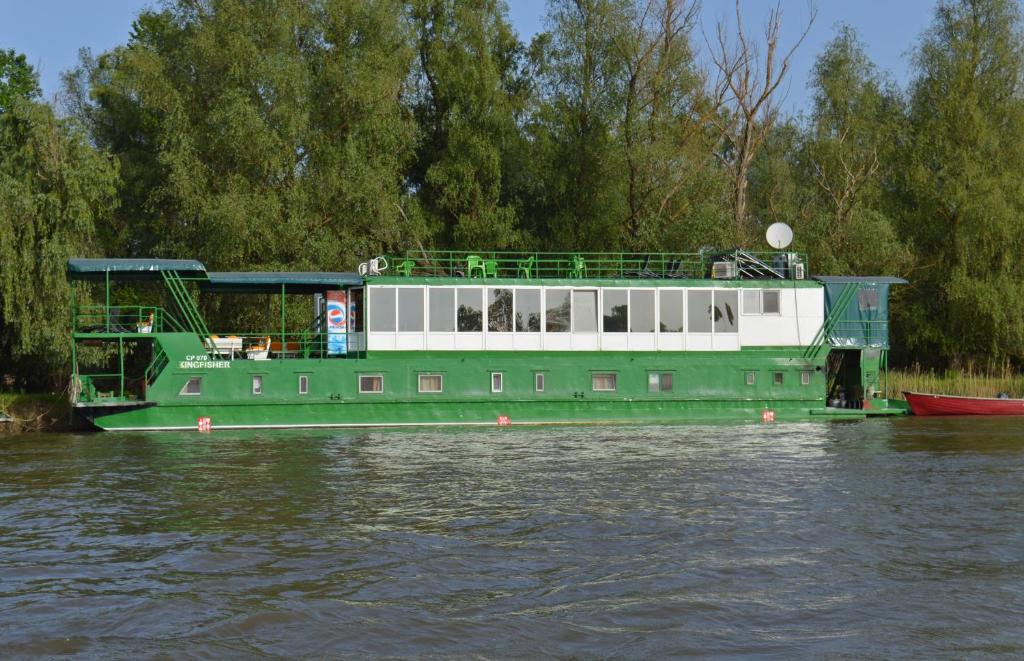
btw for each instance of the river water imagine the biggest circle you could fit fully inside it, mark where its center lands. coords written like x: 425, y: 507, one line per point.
x: 901, y: 537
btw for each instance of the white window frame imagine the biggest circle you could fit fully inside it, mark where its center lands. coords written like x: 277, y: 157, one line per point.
x: 371, y: 376
x: 257, y: 389
x: 615, y: 381
x: 501, y: 382
x: 778, y: 293
x: 538, y: 382
x: 750, y: 377
x: 199, y: 383
x: 805, y: 378
x: 419, y: 383
x: 303, y: 384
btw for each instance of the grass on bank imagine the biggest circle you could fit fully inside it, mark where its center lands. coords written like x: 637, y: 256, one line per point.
x: 967, y: 382
x: 34, y: 412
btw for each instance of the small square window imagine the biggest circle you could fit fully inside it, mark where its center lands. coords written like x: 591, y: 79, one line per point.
x: 257, y: 384
x: 431, y: 383
x: 777, y: 378
x: 770, y: 302
x: 303, y: 384
x: 369, y: 383
x: 194, y: 386
x: 751, y: 301
x: 659, y: 382
x: 603, y: 382
x: 805, y: 378
x: 538, y: 382
x: 496, y: 381
x: 751, y: 378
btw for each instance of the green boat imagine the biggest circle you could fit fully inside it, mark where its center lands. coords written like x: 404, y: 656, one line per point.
x: 482, y: 338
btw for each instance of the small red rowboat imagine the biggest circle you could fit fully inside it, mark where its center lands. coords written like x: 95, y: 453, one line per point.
x: 928, y: 404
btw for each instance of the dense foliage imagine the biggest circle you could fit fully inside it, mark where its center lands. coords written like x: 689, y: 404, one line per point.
x: 311, y: 134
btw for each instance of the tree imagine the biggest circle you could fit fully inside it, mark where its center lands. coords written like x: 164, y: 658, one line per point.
x: 18, y: 80
x: 55, y: 188
x: 962, y: 198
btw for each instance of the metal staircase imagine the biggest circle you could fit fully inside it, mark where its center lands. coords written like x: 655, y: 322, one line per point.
x: 189, y: 312
x: 834, y: 315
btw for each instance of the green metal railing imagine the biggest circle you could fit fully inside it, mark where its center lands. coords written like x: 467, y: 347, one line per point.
x: 190, y: 313
x: 539, y: 265
x: 123, y: 319
x: 837, y: 312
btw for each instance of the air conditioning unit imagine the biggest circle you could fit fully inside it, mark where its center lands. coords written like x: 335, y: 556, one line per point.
x: 798, y: 271
x: 723, y: 270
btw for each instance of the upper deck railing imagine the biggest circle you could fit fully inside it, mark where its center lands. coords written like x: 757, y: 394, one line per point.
x: 723, y: 265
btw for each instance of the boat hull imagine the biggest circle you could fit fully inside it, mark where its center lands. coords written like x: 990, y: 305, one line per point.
x: 931, y: 404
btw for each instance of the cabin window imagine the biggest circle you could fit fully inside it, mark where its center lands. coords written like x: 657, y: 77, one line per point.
x: 603, y: 382
x: 442, y: 309
x: 496, y: 381
x: 499, y: 310
x: 671, y: 303
x: 725, y: 311
x: 615, y: 310
x: 527, y: 310
x: 584, y: 304
x: 698, y: 311
x: 370, y: 383
x: 751, y: 301
x: 770, y: 302
x: 303, y: 384
x: 382, y: 309
x: 538, y: 382
x: 751, y: 378
x: 431, y: 383
x: 867, y: 299
x: 641, y: 311
x: 194, y: 386
x: 805, y: 378
x: 777, y: 378
x: 659, y: 381
x: 471, y: 310
x: 410, y: 310
x: 557, y: 308
x: 257, y: 384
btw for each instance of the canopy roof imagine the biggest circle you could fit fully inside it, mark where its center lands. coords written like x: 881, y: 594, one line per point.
x: 122, y: 269
x: 859, y: 279
x: 271, y: 281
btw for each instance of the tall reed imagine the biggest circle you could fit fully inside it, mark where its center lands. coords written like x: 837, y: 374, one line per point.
x: 969, y: 380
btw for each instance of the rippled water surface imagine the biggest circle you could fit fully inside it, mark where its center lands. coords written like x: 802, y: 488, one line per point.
x: 878, y: 538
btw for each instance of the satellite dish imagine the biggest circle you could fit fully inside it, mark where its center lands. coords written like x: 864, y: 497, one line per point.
x: 779, y: 235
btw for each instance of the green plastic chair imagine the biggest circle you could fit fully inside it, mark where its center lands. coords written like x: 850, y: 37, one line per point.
x: 405, y: 267
x: 475, y: 263
x: 524, y: 268
x: 490, y: 268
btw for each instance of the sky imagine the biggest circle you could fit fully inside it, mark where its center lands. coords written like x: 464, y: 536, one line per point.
x: 50, y: 32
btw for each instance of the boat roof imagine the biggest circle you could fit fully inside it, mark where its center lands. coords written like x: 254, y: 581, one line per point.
x: 270, y: 282
x: 80, y: 268
x: 859, y: 279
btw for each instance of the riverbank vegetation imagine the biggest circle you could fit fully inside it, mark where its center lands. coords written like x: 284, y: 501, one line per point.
x: 312, y: 135
x: 966, y: 380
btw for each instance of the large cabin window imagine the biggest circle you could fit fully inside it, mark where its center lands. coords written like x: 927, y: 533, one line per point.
x: 698, y: 311
x: 527, y: 310
x: 557, y: 311
x: 641, y: 311
x: 671, y: 302
x: 382, y: 309
x: 725, y: 311
x: 616, y: 310
x: 499, y: 310
x: 410, y: 310
x: 584, y: 303
x: 442, y: 309
x: 471, y: 310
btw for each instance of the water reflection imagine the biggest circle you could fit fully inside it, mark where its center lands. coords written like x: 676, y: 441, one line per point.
x: 779, y: 540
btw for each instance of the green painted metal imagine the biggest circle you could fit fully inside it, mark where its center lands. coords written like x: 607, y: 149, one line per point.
x: 592, y: 282
x: 183, y: 299
x: 837, y: 312
x: 128, y: 269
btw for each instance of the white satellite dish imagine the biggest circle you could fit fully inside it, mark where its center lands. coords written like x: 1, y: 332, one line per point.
x: 779, y: 235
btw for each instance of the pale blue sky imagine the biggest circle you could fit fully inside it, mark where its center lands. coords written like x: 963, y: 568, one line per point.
x: 50, y: 32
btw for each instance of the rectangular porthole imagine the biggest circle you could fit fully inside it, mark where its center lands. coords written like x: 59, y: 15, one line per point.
x: 371, y: 383
x: 431, y: 383
x: 659, y: 381
x: 603, y: 382
x: 303, y: 384
x: 777, y: 378
x: 496, y: 381
x: 194, y: 386
x: 805, y: 378
x: 751, y: 378
x: 257, y: 384
x: 538, y: 382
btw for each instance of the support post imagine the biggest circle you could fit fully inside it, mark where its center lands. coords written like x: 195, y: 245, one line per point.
x: 120, y: 360
x: 284, y: 347
x: 106, y: 310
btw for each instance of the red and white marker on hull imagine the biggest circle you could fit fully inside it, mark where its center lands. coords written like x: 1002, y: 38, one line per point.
x: 767, y: 415
x: 204, y: 423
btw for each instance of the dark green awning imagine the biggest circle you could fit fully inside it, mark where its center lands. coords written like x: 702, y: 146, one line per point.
x: 271, y: 281
x: 130, y: 269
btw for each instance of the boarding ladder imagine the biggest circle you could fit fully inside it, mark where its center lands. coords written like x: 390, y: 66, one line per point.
x: 189, y: 312
x: 837, y: 312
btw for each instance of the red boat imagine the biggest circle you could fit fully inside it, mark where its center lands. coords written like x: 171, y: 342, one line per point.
x: 929, y: 404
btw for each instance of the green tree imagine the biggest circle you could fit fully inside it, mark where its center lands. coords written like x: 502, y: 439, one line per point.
x: 963, y: 200
x: 18, y: 80
x: 55, y: 188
